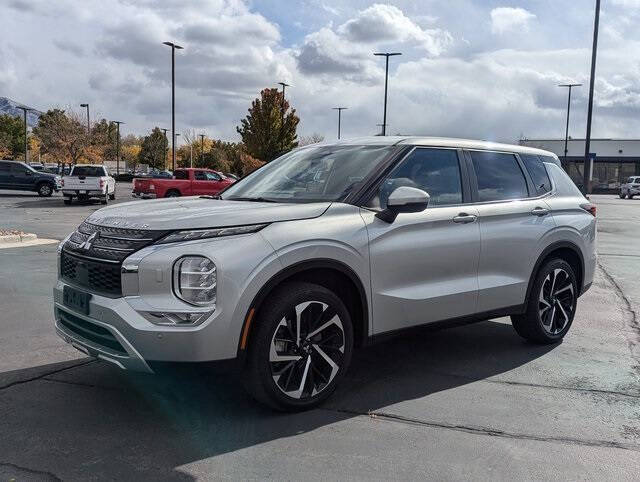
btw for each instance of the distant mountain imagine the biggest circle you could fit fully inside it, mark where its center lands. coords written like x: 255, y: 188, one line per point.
x: 8, y: 106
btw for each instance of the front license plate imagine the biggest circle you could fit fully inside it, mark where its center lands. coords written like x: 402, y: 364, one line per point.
x: 76, y: 299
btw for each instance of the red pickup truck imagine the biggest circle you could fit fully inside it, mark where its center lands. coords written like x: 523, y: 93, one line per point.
x: 185, y: 182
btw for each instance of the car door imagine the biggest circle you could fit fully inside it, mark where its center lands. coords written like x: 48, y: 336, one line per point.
x: 215, y: 183
x: 5, y: 173
x: 21, y: 177
x: 514, y: 219
x: 424, y: 264
x: 199, y: 183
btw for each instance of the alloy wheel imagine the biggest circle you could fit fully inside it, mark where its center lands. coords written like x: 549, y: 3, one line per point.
x: 45, y: 190
x: 307, y: 349
x: 556, y: 301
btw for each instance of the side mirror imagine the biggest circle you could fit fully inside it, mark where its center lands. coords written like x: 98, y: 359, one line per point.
x: 404, y: 199
x: 28, y: 172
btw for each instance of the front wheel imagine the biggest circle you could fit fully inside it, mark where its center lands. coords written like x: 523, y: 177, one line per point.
x: 622, y: 195
x: 45, y: 190
x: 300, y: 347
x: 551, y: 305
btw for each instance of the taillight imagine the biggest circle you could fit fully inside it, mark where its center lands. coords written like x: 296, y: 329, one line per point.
x: 62, y: 182
x: 101, y: 183
x: 590, y: 208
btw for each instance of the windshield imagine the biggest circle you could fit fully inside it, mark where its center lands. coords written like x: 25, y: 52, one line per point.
x: 88, y: 171
x: 312, y: 174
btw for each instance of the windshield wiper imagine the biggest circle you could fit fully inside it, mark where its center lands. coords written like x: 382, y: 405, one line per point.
x: 252, y: 199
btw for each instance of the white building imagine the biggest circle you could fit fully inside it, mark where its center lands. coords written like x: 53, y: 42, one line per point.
x: 615, y: 159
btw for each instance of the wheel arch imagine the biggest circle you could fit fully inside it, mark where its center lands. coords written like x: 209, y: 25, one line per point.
x: 333, y: 275
x: 565, y: 250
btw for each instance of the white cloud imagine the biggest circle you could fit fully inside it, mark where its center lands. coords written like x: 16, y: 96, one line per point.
x: 508, y: 19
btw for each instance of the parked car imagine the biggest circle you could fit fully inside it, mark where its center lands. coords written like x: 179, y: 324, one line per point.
x: 185, y: 182
x: 326, y: 249
x: 19, y: 176
x: 232, y: 176
x: 87, y: 181
x: 630, y: 188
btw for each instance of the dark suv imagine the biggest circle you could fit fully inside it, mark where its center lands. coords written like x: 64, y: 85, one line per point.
x: 22, y: 177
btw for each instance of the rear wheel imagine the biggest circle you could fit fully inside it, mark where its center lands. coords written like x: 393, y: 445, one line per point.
x: 551, y: 305
x: 112, y: 196
x: 172, y: 193
x: 622, y: 195
x: 105, y: 199
x: 300, y: 348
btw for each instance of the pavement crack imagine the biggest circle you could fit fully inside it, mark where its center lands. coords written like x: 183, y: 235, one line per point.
x: 490, y: 432
x: 634, y: 322
x: 43, y: 375
x: 40, y: 473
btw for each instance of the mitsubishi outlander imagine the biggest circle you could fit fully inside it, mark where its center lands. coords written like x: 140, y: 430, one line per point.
x: 323, y: 250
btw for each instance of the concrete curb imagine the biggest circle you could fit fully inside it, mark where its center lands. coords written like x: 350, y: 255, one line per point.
x: 17, y: 238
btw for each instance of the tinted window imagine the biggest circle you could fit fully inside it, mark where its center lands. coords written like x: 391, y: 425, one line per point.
x: 499, y: 176
x: 200, y: 176
x: 538, y: 172
x: 212, y: 176
x: 5, y: 166
x: 435, y: 171
x: 181, y: 175
x: 88, y: 171
x: 18, y: 168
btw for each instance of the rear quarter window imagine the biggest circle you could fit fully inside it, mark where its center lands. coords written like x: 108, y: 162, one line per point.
x: 181, y: 175
x: 537, y: 171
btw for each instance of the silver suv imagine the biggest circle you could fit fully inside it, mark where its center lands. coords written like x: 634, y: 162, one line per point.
x: 630, y: 188
x: 324, y: 250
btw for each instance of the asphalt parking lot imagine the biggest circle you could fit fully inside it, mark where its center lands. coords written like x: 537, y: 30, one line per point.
x: 472, y: 402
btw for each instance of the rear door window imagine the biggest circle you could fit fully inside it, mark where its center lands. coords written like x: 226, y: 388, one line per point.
x: 499, y: 176
x: 538, y: 172
x: 181, y: 175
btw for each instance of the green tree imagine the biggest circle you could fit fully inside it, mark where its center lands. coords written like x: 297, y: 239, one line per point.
x: 11, y: 137
x: 263, y: 131
x: 63, y: 136
x: 153, y: 149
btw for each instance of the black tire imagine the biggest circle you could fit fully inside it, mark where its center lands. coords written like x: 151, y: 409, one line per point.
x: 310, y: 370
x: 67, y: 200
x: 622, y: 195
x: 45, y: 189
x: 105, y: 199
x: 548, y: 317
x: 172, y: 193
x: 112, y: 196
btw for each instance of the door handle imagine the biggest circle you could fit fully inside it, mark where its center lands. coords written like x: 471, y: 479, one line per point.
x: 464, y: 218
x: 539, y: 211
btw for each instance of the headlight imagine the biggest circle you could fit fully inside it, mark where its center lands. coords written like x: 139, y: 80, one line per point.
x: 195, y: 279
x: 175, y: 318
x: 210, y: 233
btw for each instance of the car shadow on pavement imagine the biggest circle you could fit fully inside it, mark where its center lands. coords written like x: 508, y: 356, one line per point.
x: 97, y: 420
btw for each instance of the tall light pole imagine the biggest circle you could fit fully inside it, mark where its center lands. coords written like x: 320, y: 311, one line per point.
x: 284, y: 85
x: 339, y: 109
x: 566, y: 131
x: 88, y: 125
x: 166, y: 146
x: 173, y: 101
x: 117, y: 123
x: 587, y: 144
x: 26, y: 143
x: 202, y: 149
x: 386, y: 55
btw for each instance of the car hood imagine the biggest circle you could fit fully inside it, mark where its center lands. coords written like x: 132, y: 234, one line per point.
x: 197, y: 212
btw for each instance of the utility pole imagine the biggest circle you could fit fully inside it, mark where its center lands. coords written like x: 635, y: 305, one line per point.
x: 173, y: 102
x: 339, y: 109
x: 386, y: 55
x: 117, y: 123
x: 587, y: 145
x: 88, y: 125
x: 26, y: 143
x: 566, y: 131
x: 284, y: 85
x: 202, y: 149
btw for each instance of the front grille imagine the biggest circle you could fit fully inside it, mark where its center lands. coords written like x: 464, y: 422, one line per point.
x: 96, y: 276
x: 91, y: 332
x: 93, y: 255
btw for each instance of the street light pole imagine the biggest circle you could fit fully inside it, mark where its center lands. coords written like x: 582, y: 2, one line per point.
x: 202, y: 149
x: 587, y: 144
x: 117, y: 123
x: 339, y: 109
x: 26, y: 143
x: 566, y: 131
x: 284, y: 85
x: 173, y: 102
x: 386, y: 55
x: 88, y: 127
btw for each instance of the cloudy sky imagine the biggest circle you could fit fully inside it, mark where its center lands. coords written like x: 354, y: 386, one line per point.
x: 470, y: 68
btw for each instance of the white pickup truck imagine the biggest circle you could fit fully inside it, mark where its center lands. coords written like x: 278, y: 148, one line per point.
x: 87, y: 181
